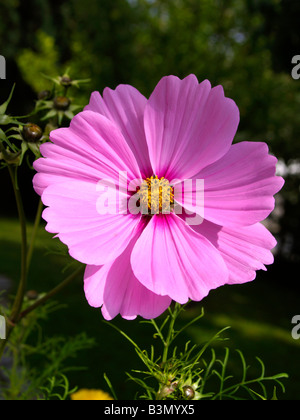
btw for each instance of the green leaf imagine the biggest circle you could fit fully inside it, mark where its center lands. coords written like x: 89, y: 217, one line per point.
x: 24, y: 149
x: 6, y: 119
x: 4, y: 106
x: 69, y: 115
x: 274, y: 397
x: 110, y: 387
x: 52, y: 113
x: 35, y: 149
x: 2, y: 135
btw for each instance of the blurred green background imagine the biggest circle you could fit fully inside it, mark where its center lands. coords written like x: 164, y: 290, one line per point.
x: 247, y: 46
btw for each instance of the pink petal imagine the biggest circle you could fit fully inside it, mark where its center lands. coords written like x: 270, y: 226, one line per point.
x: 73, y: 214
x: 239, y: 188
x: 244, y: 250
x: 94, y: 284
x: 92, y: 148
x: 171, y: 259
x: 115, y: 288
x: 125, y: 107
x: 188, y: 126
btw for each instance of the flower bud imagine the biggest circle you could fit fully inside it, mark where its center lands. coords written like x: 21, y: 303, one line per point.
x: 188, y: 392
x: 32, y: 294
x: 44, y: 94
x: 165, y: 391
x: 61, y: 103
x: 32, y: 133
x: 66, y: 81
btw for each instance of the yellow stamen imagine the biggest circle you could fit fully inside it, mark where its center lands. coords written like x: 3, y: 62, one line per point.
x: 156, y: 195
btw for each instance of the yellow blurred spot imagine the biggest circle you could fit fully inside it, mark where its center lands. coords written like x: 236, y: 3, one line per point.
x: 90, y: 395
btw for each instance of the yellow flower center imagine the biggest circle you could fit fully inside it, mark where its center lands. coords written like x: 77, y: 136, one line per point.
x: 156, y: 195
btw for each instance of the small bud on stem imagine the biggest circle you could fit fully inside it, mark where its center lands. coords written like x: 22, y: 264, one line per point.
x: 32, y: 133
x: 66, y: 81
x: 44, y: 94
x: 61, y: 103
x: 188, y: 392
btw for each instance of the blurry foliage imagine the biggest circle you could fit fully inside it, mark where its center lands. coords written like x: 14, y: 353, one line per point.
x: 191, y: 374
x: 43, y: 61
x: 35, y: 364
x: 245, y: 46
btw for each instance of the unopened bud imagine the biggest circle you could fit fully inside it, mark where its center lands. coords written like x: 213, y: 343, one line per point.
x: 165, y: 391
x: 44, y: 94
x: 188, y: 392
x: 32, y: 294
x: 66, y: 81
x: 32, y: 133
x: 61, y: 103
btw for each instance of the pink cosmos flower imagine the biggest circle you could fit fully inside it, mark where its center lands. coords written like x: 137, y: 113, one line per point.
x: 136, y: 263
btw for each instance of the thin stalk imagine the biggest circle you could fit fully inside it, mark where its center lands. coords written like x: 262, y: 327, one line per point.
x: 34, y: 233
x: 23, y: 278
x: 158, y: 331
x: 50, y: 294
x: 39, y: 302
x: 18, y: 302
x: 171, y: 332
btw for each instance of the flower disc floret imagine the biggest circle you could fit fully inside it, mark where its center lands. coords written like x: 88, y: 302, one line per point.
x: 156, y: 196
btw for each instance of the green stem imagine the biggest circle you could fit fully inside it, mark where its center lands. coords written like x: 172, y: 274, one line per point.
x: 34, y: 233
x: 23, y: 279
x: 174, y: 314
x: 50, y: 294
x: 39, y: 302
x: 158, y: 331
x: 18, y: 302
